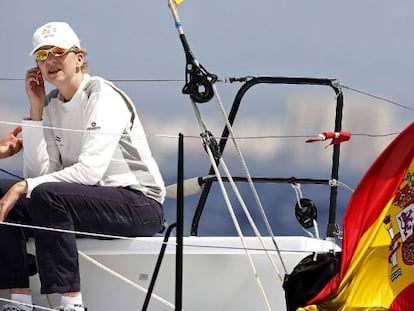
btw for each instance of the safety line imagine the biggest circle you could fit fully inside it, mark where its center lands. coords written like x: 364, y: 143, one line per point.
x: 143, y: 239
x: 377, y: 97
x: 229, y: 80
x: 304, y: 136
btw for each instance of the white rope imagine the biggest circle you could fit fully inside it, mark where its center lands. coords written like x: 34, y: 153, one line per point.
x: 298, y: 192
x: 299, y: 196
x: 341, y: 184
x: 230, y: 208
x: 315, y: 224
x: 91, y: 234
x: 304, y: 136
x: 124, y: 279
x: 76, y: 131
x: 250, y: 181
x: 140, y: 239
x: 250, y: 219
x: 237, y: 226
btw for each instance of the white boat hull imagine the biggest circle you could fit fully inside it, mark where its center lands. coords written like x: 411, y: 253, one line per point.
x: 217, y: 274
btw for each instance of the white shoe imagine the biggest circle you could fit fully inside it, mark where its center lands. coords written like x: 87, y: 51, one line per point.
x: 70, y: 308
x: 15, y: 307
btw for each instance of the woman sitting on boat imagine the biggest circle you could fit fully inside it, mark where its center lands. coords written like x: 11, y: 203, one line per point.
x: 87, y: 166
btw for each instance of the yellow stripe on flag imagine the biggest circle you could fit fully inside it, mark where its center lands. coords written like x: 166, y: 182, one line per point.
x: 178, y: 2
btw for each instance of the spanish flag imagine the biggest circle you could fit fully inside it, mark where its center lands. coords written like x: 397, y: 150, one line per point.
x: 178, y: 2
x: 377, y: 261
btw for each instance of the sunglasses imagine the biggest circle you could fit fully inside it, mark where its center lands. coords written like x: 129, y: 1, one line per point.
x: 55, y: 51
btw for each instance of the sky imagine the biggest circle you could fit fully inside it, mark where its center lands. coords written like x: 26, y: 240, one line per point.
x: 366, y: 45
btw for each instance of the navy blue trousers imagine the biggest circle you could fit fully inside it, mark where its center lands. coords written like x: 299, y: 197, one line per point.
x: 69, y: 206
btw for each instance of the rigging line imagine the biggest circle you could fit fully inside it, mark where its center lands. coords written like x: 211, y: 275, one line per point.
x: 305, y: 136
x: 228, y: 203
x: 227, y: 80
x: 90, y: 234
x: 155, y: 135
x: 133, y: 80
x: 124, y: 279
x: 249, y: 178
x: 288, y: 136
x: 378, y: 97
x: 230, y: 209
x: 146, y: 80
x: 251, y: 221
x: 66, y: 129
x: 85, y: 131
x: 190, y: 136
x: 113, y: 80
x: 376, y: 135
x: 11, y: 174
x: 335, y: 183
x: 252, y: 188
x: 143, y: 239
x: 237, y: 225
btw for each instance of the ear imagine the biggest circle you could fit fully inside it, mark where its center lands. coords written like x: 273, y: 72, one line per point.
x: 80, y: 58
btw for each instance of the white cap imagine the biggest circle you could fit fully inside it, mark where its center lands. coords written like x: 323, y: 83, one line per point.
x: 56, y: 34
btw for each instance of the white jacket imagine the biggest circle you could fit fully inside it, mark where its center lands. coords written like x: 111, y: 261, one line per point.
x: 94, y: 139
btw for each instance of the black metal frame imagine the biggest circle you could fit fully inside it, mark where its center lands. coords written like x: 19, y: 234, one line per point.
x: 331, y: 228
x: 250, y: 82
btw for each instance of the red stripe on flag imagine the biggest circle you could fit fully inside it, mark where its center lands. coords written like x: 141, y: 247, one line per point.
x: 400, y: 302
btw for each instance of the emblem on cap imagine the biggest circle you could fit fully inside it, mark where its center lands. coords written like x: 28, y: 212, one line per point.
x: 48, y: 31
